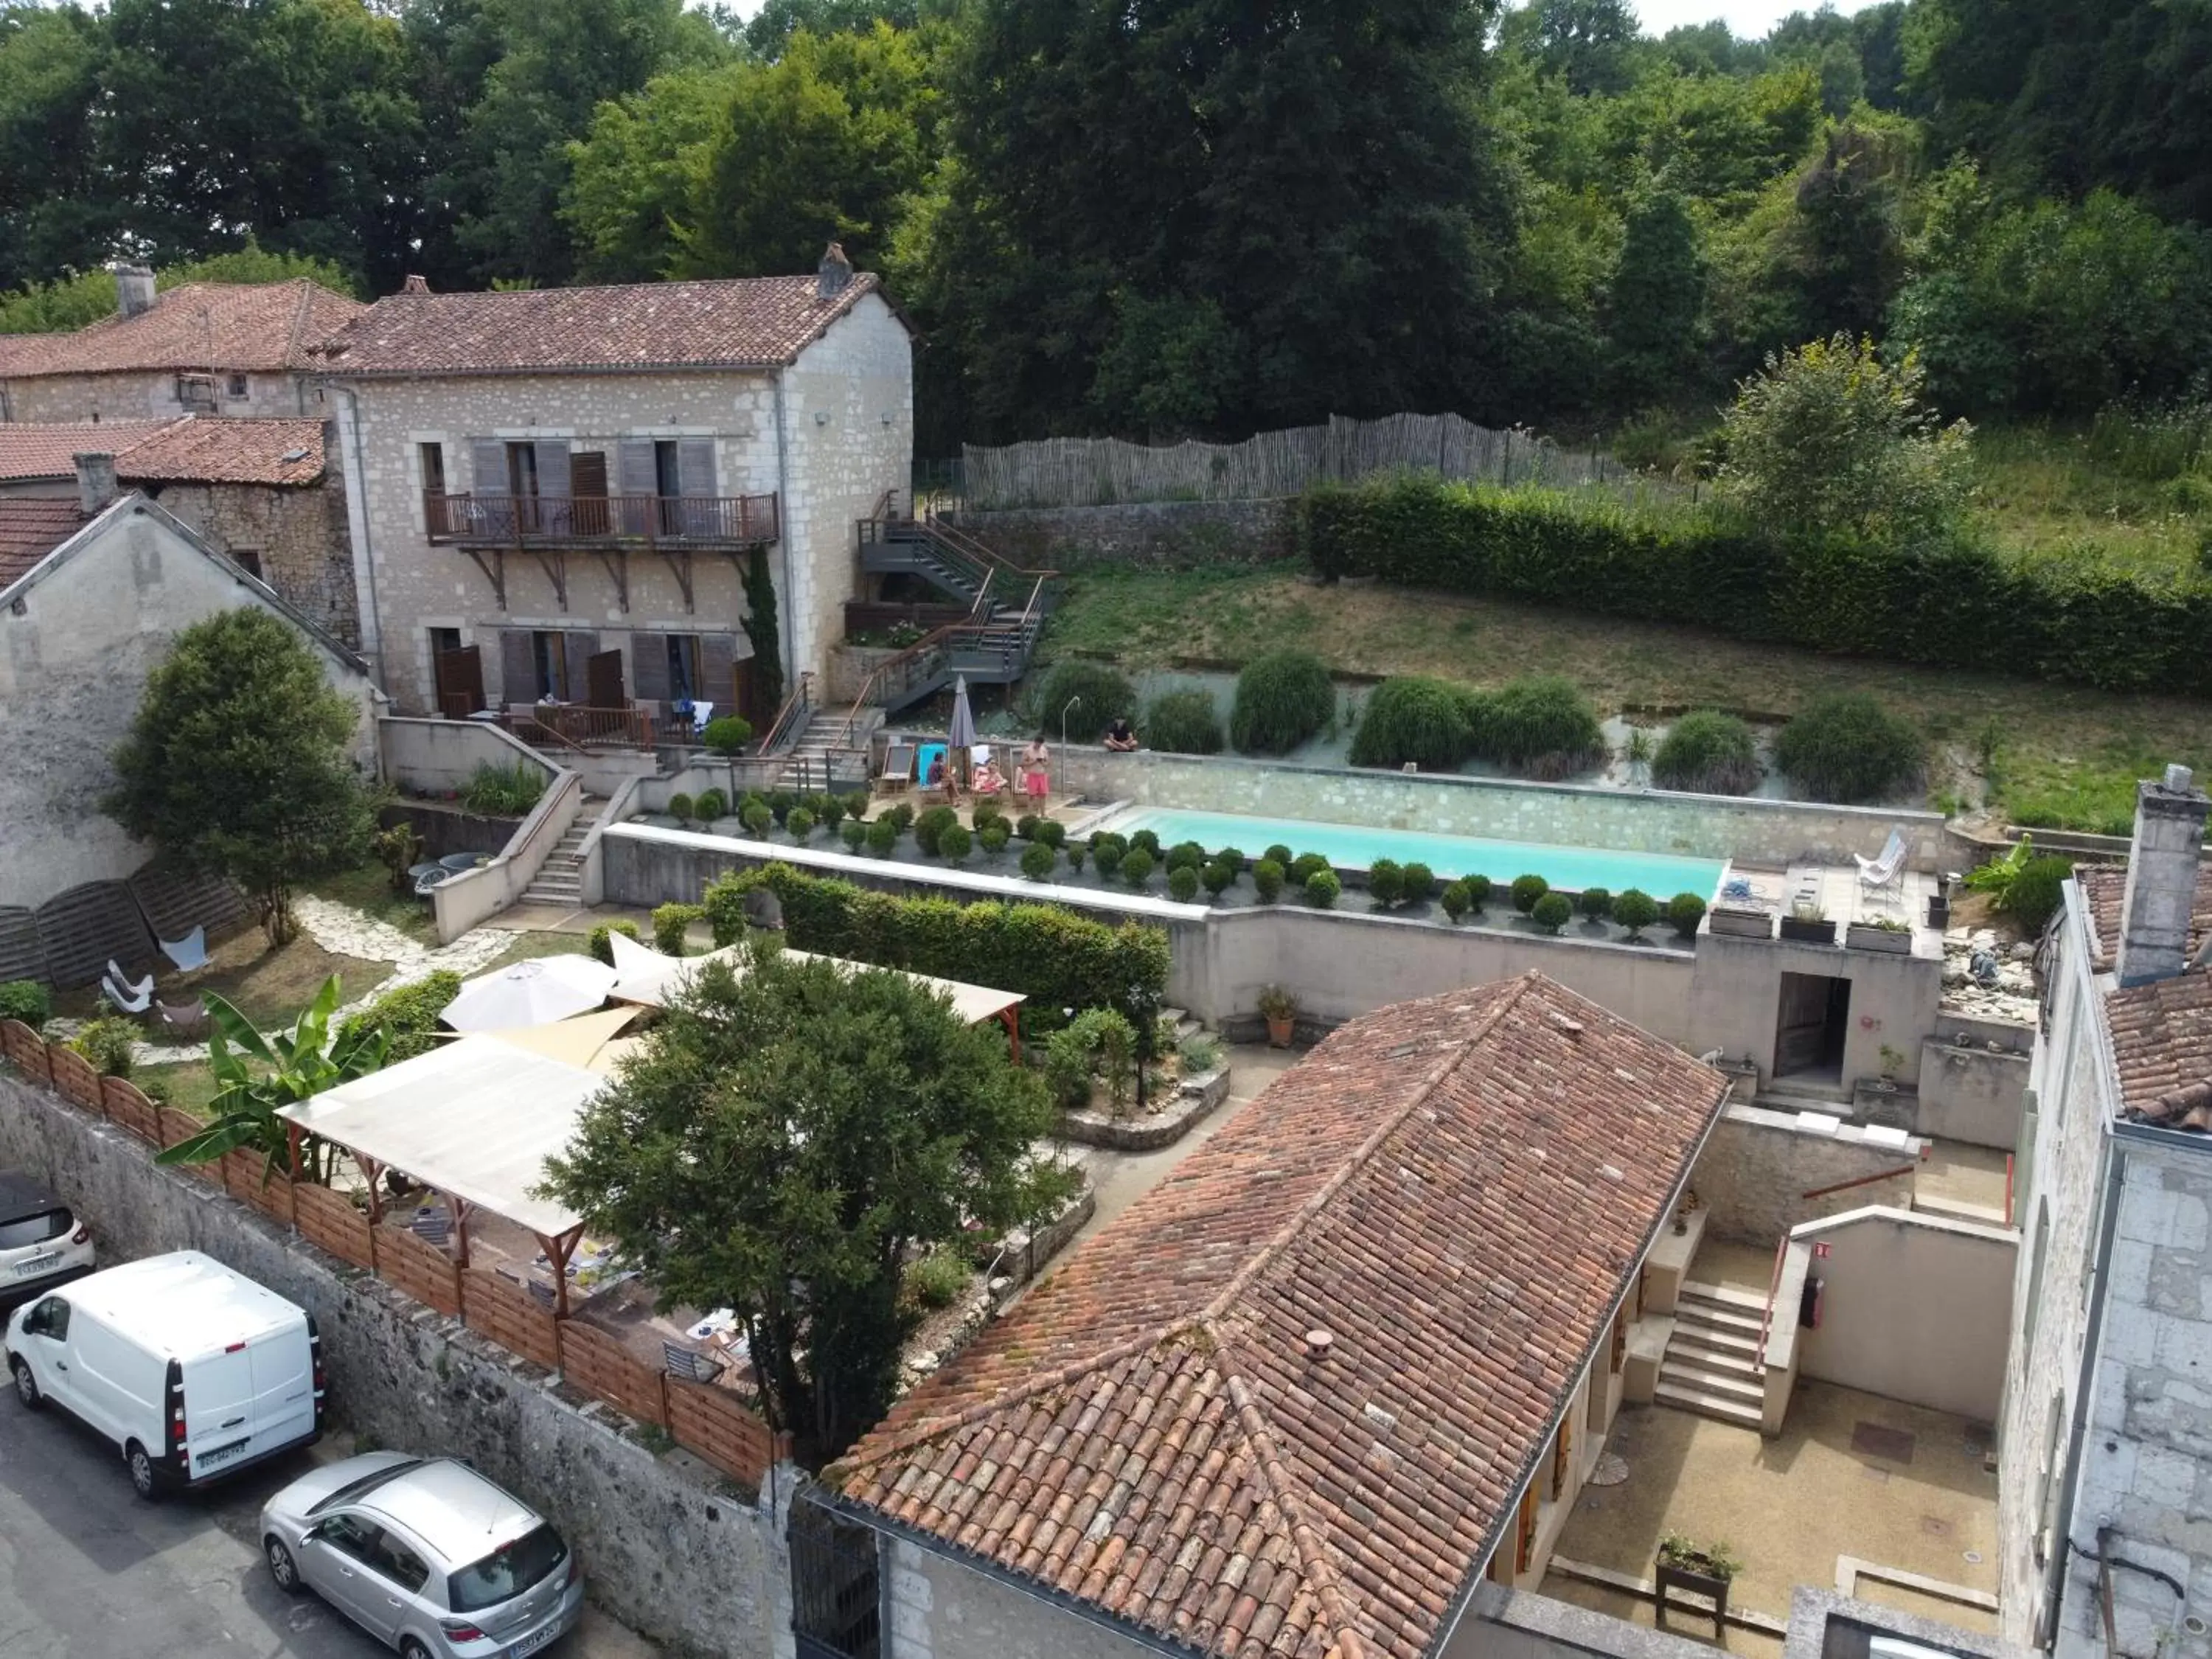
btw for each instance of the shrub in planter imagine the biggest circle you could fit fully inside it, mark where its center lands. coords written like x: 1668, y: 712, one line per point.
x: 1136, y: 866
x: 1596, y: 903
x: 1323, y: 888
x: 1477, y: 892
x: 856, y: 804
x: 1386, y: 883
x: 759, y: 818
x: 1113, y: 838
x: 1098, y: 1040
x: 1185, y: 853
x: 883, y: 836
x: 953, y: 842
x: 28, y: 1000
x: 992, y: 835
x: 1527, y: 889
x: 1233, y: 857
x: 597, y: 944
x: 1074, y: 851
x: 854, y: 832
x: 1268, y: 880
x: 725, y: 734
x: 1420, y: 883
x: 1635, y: 910
x: 670, y: 922
x: 1283, y: 699
x: 781, y: 801
x: 831, y: 811
x: 1847, y: 747
x: 1305, y: 866
x: 1183, y: 723
x: 1684, y: 911
x: 1280, y: 854
x: 1552, y: 912
x: 1218, y: 878
x: 1148, y: 841
x: 1105, y: 695
x: 1106, y: 855
x: 1710, y: 752
x: 1052, y: 832
x: 902, y: 815
x: 682, y: 807
x: 1182, y: 884
x: 933, y: 822
x: 1417, y: 720
x: 1453, y: 899
x: 1037, y: 861
x: 503, y: 790
x: 1542, y: 726
x: 713, y: 803
x: 800, y: 823
x: 1025, y: 826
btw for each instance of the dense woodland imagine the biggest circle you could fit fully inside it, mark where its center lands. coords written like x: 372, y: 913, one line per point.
x: 1161, y: 217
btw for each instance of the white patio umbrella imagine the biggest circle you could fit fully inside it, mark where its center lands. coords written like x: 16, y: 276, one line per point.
x: 961, y: 737
x: 535, y: 992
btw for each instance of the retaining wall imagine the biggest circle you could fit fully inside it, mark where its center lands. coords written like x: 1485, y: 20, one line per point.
x: 1154, y: 534
x: 1758, y: 1165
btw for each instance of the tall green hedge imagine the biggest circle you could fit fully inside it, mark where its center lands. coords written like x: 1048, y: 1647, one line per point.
x: 1053, y: 956
x: 1954, y: 602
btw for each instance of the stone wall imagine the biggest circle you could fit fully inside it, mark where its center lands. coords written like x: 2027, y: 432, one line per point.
x: 297, y: 537
x: 670, y: 1548
x: 151, y: 394
x: 447, y: 828
x: 1755, y: 1170
x: 1153, y: 534
x: 1970, y: 1093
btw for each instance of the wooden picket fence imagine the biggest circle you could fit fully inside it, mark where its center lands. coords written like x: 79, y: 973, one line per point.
x: 714, y: 1424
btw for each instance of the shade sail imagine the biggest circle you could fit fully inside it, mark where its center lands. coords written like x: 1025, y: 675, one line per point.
x: 476, y: 1119
x: 533, y: 993
x: 578, y: 1042
x: 655, y: 986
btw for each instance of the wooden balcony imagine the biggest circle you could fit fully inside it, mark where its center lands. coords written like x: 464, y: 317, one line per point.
x: 603, y: 523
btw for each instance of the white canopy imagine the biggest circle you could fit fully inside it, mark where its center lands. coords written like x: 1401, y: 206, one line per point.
x: 476, y: 1118
x: 533, y: 993
x: 656, y: 983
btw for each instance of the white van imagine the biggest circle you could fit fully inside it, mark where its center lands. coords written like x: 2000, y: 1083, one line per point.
x: 192, y: 1371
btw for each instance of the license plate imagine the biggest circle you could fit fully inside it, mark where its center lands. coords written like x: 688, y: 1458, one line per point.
x: 534, y: 1641
x: 31, y: 1266
x: 210, y: 1458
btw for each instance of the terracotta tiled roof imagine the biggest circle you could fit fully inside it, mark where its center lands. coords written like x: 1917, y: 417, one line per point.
x: 49, y: 451
x: 742, y: 322
x: 190, y: 449
x: 29, y: 530
x: 1459, y: 1190
x: 2106, y: 888
x: 2161, y: 1037
x: 246, y: 327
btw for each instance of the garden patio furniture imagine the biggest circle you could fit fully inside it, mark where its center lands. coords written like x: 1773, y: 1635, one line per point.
x: 189, y: 952
x: 433, y: 1224
x: 460, y: 864
x: 690, y: 1365
x: 897, y: 772
x: 185, y: 1020
x: 115, y: 985
x: 1876, y: 874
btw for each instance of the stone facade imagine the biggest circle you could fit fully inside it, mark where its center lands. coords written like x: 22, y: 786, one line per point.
x: 155, y: 394
x: 1760, y: 1162
x: 846, y: 436
x: 295, y: 536
x: 1151, y: 534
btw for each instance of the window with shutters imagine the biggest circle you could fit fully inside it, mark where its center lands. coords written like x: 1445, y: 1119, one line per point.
x: 550, y: 656
x: 684, y: 667
x: 237, y: 385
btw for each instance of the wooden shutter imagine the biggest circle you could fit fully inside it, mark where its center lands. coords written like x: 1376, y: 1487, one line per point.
x: 518, y: 665
x: 718, y: 670
x: 460, y: 682
x: 695, y: 480
x: 648, y: 667
x: 588, y: 481
x: 639, y: 484
x: 1524, y: 1542
x: 553, y: 490
x: 603, y: 680
x: 1620, y: 1341
x: 579, y: 648
x: 488, y: 474
x: 1563, y: 1457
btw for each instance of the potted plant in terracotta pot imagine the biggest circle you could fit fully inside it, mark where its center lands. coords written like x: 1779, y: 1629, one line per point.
x: 1281, y: 1010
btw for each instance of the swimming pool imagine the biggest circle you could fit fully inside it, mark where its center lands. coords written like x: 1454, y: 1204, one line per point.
x: 1353, y: 847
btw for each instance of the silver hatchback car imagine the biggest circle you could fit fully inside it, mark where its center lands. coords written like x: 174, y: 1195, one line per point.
x: 426, y: 1555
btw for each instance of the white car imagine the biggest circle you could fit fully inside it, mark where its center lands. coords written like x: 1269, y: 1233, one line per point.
x: 42, y: 1244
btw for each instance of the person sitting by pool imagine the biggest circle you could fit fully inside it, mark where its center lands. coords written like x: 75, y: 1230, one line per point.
x: 987, y: 781
x: 1119, y: 738
x: 941, y: 776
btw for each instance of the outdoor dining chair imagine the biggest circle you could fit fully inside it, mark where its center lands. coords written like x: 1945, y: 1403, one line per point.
x: 690, y: 1365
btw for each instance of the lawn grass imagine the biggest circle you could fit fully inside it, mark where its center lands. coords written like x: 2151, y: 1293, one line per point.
x: 2065, y: 755
x: 270, y: 987
x: 2040, y: 494
x: 190, y: 1084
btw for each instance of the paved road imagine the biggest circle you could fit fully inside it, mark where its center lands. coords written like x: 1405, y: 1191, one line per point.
x: 87, y: 1571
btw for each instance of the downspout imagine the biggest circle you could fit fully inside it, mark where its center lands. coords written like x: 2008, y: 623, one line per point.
x: 785, y: 623
x: 2078, y: 1431
x: 372, y: 628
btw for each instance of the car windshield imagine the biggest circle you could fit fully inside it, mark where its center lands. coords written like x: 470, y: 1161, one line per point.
x: 507, y: 1571
x: 368, y: 1482
x: 40, y: 1229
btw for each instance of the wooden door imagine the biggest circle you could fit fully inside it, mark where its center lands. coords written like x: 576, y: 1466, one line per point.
x: 603, y: 678
x: 718, y: 679
x: 1800, y: 1029
x: 587, y: 480
x: 460, y: 678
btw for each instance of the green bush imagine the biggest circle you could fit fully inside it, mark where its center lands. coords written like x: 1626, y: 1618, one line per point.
x: 713, y: 803
x: 408, y: 1016
x: 725, y: 734
x: 854, y: 833
x: 597, y: 944
x: 1323, y: 889
x: 1106, y: 855
x: 669, y: 924
x: 1305, y: 866
x: 1280, y: 854
x: 1684, y: 911
x: 1268, y: 880
x: 1147, y: 839
x: 1105, y: 693
x: 953, y: 842
x: 503, y: 790
x: 1527, y: 889
x: 1183, y: 723
x: 1233, y: 858
x: 1218, y: 878
x: 1414, y: 719
x: 901, y: 816
x: 883, y: 836
x: 2035, y: 892
x: 1709, y: 752
x: 1542, y: 726
x: 28, y: 1000
x: 831, y: 811
x: 1552, y: 912
x: 986, y: 810
x: 992, y: 836
x: 1136, y: 866
x: 682, y: 807
x: 1074, y: 850
x: 107, y: 1041
x: 1026, y: 826
x: 758, y: 818
x: 1477, y: 892
x: 1386, y: 883
x: 1185, y: 853
x: 800, y: 823
x: 938, y: 1280
x: 1420, y: 883
x: 1052, y: 832
x: 1100, y: 1041
x: 1847, y: 747
x: 1283, y: 699
x: 1037, y: 860
x: 933, y: 822
x: 1635, y: 910
x: 1596, y: 903
x: 1454, y: 899
x: 1182, y: 884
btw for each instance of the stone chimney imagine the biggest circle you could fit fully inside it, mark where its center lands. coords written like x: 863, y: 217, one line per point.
x: 134, y: 290
x: 835, y: 272
x: 95, y: 482
x: 2162, y: 865
x: 415, y: 285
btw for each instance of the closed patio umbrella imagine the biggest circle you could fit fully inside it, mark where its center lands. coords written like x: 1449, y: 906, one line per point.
x: 962, y: 736
x: 535, y: 992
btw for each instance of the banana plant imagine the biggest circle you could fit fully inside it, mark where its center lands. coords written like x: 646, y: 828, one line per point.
x: 259, y: 1074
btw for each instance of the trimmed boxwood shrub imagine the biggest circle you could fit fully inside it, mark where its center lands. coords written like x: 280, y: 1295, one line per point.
x: 1283, y: 699
x: 713, y: 803
x: 726, y: 733
x: 1420, y: 883
x: 1148, y: 840
x: 1478, y: 890
x: 1552, y: 912
x: 1847, y: 747
x: 1182, y: 884
x: 1217, y: 878
x: 1106, y: 694
x: 992, y: 835
x: 1234, y: 857
x: 1684, y: 911
x: 1183, y: 723
x: 1037, y: 860
x: 1415, y: 719
x: 1268, y: 880
x: 1304, y: 866
x: 883, y: 836
x: 1596, y: 903
x: 1453, y: 899
x: 1709, y: 752
x: 670, y: 922
x: 800, y: 823
x: 758, y: 819
x: 1106, y: 855
x: 1542, y: 726
x: 933, y: 822
x: 1386, y: 883
x: 1136, y: 866
x: 831, y: 809
x: 1025, y: 826
x: 1323, y: 888
x: 682, y: 807
x: 901, y: 816
x: 1527, y: 889
x: 1185, y: 853
x: 1635, y: 910
x: 1280, y: 854
x: 1052, y: 832
x: 953, y: 842
x: 1074, y: 850
x: 855, y: 833
x: 598, y: 945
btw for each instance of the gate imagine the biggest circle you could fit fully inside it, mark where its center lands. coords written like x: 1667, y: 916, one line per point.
x: 837, y: 1608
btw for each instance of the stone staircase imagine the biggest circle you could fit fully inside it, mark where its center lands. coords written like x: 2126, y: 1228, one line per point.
x: 559, y: 879
x: 814, y: 763
x: 1711, y: 1365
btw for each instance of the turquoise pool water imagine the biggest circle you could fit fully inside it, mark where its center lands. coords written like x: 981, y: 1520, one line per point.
x: 1352, y: 847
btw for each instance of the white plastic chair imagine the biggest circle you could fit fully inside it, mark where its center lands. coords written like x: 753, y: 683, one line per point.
x: 1883, y: 871
x: 188, y: 953
x: 116, y: 987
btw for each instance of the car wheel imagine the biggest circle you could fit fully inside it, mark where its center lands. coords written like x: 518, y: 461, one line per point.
x: 26, y: 1386
x: 145, y: 1478
x: 282, y: 1567
x: 411, y: 1649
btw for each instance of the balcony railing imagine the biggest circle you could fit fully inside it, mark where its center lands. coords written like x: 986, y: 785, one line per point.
x: 597, y: 521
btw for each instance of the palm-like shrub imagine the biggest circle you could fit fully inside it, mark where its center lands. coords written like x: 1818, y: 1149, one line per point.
x: 1283, y: 699
x: 1710, y: 752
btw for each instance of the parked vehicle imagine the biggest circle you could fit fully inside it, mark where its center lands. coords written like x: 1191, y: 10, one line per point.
x: 42, y: 1244
x: 193, y: 1370
x: 426, y: 1555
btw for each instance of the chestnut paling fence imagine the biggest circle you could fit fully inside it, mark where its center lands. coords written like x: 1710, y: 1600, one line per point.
x: 711, y: 1423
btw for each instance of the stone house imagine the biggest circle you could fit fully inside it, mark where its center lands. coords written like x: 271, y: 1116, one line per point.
x: 260, y: 492
x: 2105, y: 1479
x: 566, y: 493
x: 1348, y: 1366
x: 230, y: 349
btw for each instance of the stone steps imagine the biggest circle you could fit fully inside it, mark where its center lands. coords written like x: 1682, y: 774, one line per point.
x: 1711, y: 1365
x: 1704, y: 1404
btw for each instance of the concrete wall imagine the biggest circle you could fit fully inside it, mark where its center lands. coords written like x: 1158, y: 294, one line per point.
x: 434, y: 757
x: 1503, y: 1624
x: 1735, y: 1001
x: 1758, y: 1165
x: 683, y: 1557
x: 152, y: 394
x: 1153, y: 534
x: 481, y: 893
x: 73, y: 665
x: 298, y: 534
x: 1558, y: 815
x: 940, y: 1609
x: 1968, y: 1093
x: 1915, y: 1308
